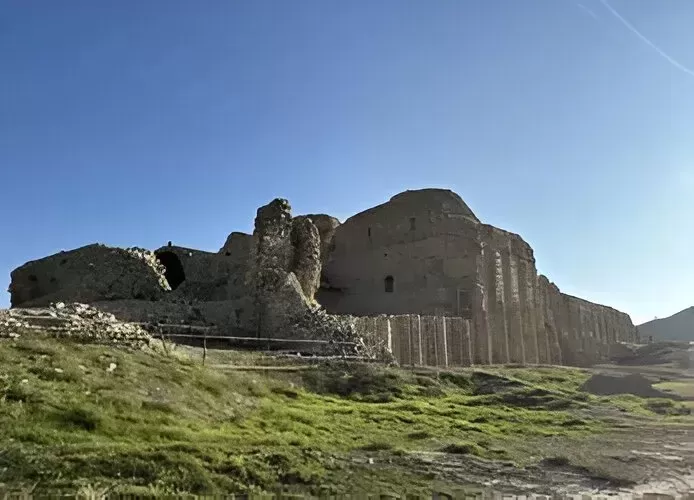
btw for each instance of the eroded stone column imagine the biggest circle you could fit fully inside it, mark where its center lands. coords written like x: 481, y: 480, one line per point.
x: 467, y: 343
x: 514, y: 322
x: 542, y: 343
x: 526, y: 271
x: 454, y: 341
x: 441, y: 341
x: 497, y: 308
x: 416, y: 339
x: 482, y: 345
x: 399, y: 339
x: 428, y: 325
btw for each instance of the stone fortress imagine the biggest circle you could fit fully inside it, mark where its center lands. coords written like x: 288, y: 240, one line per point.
x: 420, y: 274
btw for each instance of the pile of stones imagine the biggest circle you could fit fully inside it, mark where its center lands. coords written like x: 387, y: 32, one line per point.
x: 341, y: 332
x: 11, y: 326
x: 81, y: 322
x: 149, y: 258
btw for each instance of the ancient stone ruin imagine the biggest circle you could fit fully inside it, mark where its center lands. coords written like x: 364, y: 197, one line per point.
x: 419, y: 274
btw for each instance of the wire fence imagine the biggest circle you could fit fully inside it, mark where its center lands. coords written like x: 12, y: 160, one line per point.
x: 204, y: 337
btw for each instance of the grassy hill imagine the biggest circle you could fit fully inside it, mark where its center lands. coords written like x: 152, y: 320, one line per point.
x: 88, y: 417
x: 679, y: 326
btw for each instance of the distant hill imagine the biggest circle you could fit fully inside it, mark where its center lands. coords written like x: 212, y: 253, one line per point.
x: 679, y: 326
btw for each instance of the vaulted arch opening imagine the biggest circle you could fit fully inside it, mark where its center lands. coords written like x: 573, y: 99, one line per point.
x: 174, y: 272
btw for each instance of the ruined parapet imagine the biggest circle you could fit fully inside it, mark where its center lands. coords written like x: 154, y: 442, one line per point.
x: 326, y: 226
x: 306, y: 261
x: 237, y: 246
x: 88, y: 274
x: 278, y: 295
x: 202, y: 276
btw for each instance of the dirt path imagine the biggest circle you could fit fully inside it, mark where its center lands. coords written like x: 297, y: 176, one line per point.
x: 627, y: 465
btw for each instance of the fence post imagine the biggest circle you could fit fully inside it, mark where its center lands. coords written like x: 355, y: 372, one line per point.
x: 163, y: 342
x: 204, y: 347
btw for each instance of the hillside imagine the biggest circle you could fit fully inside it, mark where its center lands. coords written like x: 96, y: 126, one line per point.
x: 679, y: 326
x: 150, y: 421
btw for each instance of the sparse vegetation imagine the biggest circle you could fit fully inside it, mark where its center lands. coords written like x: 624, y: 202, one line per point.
x: 164, y: 424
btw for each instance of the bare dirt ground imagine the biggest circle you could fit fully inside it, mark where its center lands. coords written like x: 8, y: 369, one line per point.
x: 627, y: 465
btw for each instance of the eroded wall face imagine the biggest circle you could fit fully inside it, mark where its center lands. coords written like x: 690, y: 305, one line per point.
x: 88, y: 274
x: 449, y: 264
x: 430, y: 260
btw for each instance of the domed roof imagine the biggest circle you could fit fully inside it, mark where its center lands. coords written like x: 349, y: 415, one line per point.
x: 437, y: 200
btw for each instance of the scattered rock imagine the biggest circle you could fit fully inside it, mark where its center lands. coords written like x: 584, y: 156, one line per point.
x: 604, y: 384
x: 78, y: 321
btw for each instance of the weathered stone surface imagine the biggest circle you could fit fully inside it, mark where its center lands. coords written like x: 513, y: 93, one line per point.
x: 88, y: 274
x: 278, y: 296
x: 74, y: 320
x: 326, y: 226
x: 461, y: 291
x: 425, y: 252
x: 237, y: 245
x: 203, y: 276
x: 306, y: 262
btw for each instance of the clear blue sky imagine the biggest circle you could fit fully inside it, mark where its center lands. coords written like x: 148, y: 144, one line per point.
x: 134, y: 123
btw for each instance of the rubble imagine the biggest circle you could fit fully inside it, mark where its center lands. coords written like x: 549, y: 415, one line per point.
x: 342, y: 333
x: 77, y: 321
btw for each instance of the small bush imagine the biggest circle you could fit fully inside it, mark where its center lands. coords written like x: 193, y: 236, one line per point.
x: 666, y: 407
x: 19, y: 392
x: 460, y: 380
x: 356, y: 382
x: 82, y: 418
x: 560, y: 461
x: 420, y: 435
x: 377, y: 446
x: 462, y: 448
x: 160, y: 406
x: 285, y: 391
x: 52, y: 374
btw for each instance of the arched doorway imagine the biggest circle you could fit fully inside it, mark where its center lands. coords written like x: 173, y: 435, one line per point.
x: 174, y: 272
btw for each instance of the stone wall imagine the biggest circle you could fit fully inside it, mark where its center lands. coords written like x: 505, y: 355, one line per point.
x: 473, y: 288
x: 204, y: 276
x: 88, y: 274
x: 326, y: 226
x: 448, y: 341
x: 442, y: 261
x: 425, y: 247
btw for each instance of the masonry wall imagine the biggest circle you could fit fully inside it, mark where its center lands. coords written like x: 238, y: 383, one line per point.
x: 448, y: 341
x: 444, y: 262
x: 211, y: 276
x: 428, y: 247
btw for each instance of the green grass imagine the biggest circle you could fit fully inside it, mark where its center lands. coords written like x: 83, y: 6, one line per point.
x: 165, y: 424
x: 683, y: 387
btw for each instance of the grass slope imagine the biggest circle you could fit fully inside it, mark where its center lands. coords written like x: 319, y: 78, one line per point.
x: 84, y: 416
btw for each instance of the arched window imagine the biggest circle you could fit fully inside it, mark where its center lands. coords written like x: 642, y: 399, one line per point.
x: 389, y: 284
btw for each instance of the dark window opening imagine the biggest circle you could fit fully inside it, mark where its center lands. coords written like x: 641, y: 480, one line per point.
x: 465, y: 304
x: 173, y: 272
x: 389, y: 284
x: 413, y: 223
x: 33, y: 278
x: 369, y: 231
x: 227, y: 253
